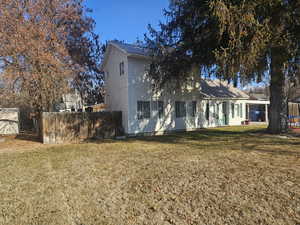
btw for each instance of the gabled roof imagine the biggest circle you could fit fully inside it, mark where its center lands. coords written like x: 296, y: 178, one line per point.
x: 220, y: 89
x: 209, y: 88
x: 127, y: 49
x: 130, y: 49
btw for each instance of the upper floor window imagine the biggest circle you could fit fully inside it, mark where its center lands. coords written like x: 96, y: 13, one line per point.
x: 143, y: 110
x: 122, y: 70
x: 180, y: 109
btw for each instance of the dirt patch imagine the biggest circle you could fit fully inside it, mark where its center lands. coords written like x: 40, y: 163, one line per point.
x: 20, y: 143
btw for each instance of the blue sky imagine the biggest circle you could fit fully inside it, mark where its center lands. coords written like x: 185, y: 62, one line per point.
x: 126, y: 20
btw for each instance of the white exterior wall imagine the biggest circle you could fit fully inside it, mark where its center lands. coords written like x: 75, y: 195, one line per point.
x: 140, y: 90
x: 238, y: 119
x: 216, y: 117
x: 116, y: 86
x: 123, y: 93
x: 73, y: 101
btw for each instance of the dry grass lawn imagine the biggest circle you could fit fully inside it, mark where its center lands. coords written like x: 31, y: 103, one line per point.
x: 218, y: 176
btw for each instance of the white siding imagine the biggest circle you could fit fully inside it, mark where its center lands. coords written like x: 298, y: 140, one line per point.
x: 116, y: 85
x: 123, y: 93
x: 140, y: 90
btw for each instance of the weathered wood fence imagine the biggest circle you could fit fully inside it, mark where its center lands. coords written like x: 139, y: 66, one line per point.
x: 9, y: 121
x: 58, y: 128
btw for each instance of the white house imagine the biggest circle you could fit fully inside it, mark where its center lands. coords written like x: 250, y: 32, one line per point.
x: 206, y: 103
x: 70, y: 102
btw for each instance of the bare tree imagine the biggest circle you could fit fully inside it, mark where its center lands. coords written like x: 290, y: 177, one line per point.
x: 35, y: 60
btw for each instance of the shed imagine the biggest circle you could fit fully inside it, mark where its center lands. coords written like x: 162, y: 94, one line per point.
x: 9, y: 121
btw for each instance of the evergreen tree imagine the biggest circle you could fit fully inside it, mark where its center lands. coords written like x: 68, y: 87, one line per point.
x: 236, y: 40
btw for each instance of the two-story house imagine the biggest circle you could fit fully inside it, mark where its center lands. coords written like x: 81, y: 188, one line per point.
x: 128, y: 88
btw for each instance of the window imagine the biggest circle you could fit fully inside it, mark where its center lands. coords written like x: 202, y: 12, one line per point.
x: 158, y: 106
x: 105, y: 76
x: 237, y: 110
x: 232, y: 110
x: 207, y: 111
x: 180, y: 109
x: 192, y: 108
x: 143, y: 110
x: 218, y: 111
x: 122, y: 71
x: 160, y: 109
x: 241, y: 110
x: 214, y: 108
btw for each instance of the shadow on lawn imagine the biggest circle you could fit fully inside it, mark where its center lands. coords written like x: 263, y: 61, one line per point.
x: 248, y: 140
x: 258, y: 148
x: 28, y: 136
x: 201, y: 135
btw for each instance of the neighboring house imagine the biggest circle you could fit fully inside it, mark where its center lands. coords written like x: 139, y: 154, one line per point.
x: 203, y: 103
x: 70, y: 102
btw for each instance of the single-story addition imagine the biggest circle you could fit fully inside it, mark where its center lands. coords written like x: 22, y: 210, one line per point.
x: 257, y: 108
x: 200, y: 104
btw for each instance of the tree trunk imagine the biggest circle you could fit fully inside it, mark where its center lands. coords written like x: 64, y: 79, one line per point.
x: 278, y: 115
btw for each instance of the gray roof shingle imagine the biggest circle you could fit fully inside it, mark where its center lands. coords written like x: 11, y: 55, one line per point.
x: 220, y: 89
x: 131, y: 48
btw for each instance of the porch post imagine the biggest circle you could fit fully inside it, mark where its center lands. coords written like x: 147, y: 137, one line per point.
x: 267, y: 113
x: 247, y: 112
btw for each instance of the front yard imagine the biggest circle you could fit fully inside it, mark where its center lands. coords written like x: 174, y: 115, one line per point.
x: 220, y: 176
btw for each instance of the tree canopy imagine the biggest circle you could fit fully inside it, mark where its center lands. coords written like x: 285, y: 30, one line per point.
x: 45, y: 46
x: 236, y: 40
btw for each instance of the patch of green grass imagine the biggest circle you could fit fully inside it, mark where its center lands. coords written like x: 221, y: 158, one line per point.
x: 236, y: 175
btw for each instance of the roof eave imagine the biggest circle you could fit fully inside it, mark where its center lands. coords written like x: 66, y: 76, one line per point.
x: 110, y: 44
x: 226, y: 98
x: 139, y: 56
x: 105, y: 58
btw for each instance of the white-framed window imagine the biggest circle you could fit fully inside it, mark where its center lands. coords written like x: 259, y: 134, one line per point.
x: 241, y: 110
x: 192, y: 108
x: 207, y: 113
x: 158, y: 107
x: 217, y: 111
x: 143, y: 110
x: 122, y: 70
x: 237, y: 107
x: 232, y: 110
x: 180, y: 109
